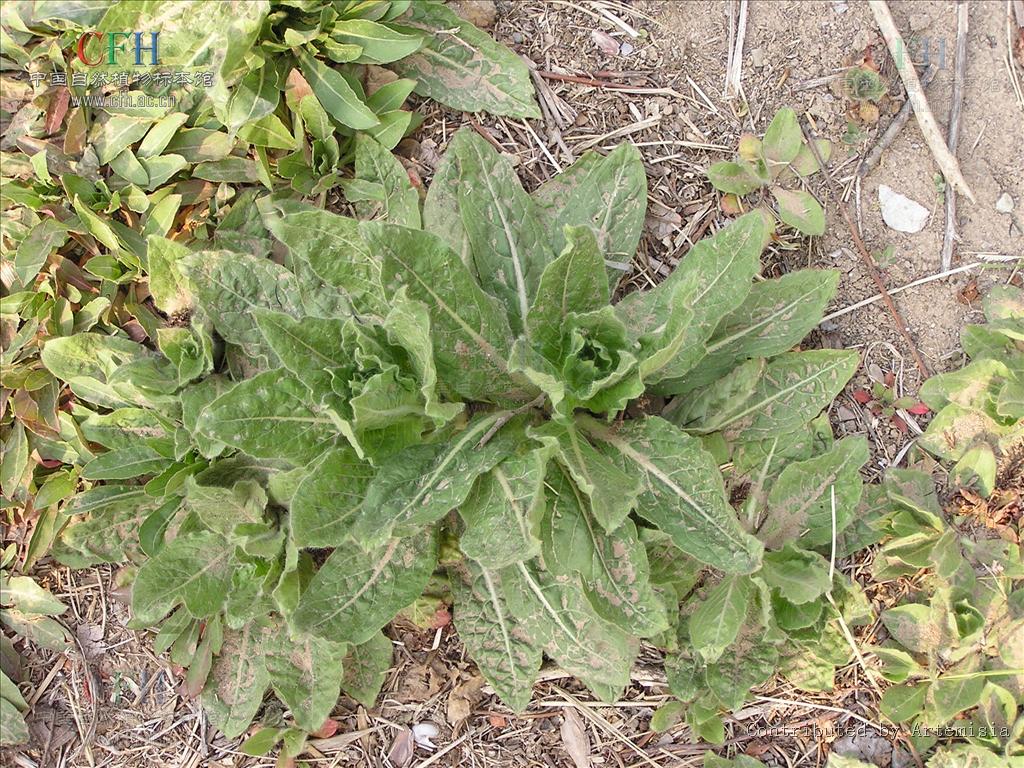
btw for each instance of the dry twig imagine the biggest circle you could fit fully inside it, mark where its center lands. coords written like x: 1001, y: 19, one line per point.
x: 953, y: 129
x: 869, y: 262
x: 1016, y: 9
x: 893, y: 130
x: 913, y: 284
x: 929, y: 127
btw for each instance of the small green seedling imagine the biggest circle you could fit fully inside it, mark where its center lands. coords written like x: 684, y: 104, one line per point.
x: 782, y: 155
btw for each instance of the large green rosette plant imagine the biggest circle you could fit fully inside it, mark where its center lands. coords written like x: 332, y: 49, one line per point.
x: 450, y: 393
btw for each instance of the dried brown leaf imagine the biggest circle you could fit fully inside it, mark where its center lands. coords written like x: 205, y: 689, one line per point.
x: 463, y: 698
x: 575, y: 739
x: 605, y: 42
x: 400, y: 754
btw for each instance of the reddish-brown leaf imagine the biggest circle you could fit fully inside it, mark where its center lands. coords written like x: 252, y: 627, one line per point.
x: 328, y: 729
x: 57, y: 109
x: 862, y: 396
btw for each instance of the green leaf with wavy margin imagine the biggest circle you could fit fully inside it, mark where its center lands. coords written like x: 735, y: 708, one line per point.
x: 269, y: 416
x: 355, y: 593
x: 401, y: 201
x: 336, y: 252
x: 555, y: 613
x: 90, y: 364
x: 423, y: 483
x: 799, y: 576
x: 719, y: 270
x: 305, y: 673
x: 682, y: 493
x: 230, y: 286
x: 794, y: 388
x: 495, y: 637
x: 502, y: 512
x: 612, y: 492
x: 571, y: 283
x: 238, y: 680
x: 254, y: 97
x: 606, y: 193
x: 125, y: 428
x: 613, y: 567
x: 462, y: 67
x: 365, y: 669
x: 508, y: 242
x: 716, y: 622
x: 470, y: 328
x: 194, y: 570
x: 329, y: 499
x: 309, y: 347
x: 408, y: 327
x: 774, y: 317
x: 800, y: 502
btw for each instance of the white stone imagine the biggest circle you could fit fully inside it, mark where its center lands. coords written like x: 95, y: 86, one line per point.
x: 424, y: 734
x: 899, y: 212
x: 1005, y: 203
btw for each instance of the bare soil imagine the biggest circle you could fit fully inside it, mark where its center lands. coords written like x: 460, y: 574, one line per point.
x: 111, y: 702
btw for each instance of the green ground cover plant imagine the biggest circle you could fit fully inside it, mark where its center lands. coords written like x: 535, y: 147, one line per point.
x: 782, y: 156
x: 956, y: 644
x: 83, y: 186
x: 288, y: 425
x: 85, y: 182
x: 979, y: 409
x: 26, y: 610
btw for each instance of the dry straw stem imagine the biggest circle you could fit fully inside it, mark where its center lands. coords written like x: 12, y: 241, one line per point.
x: 929, y: 127
x: 988, y: 259
x: 734, y: 70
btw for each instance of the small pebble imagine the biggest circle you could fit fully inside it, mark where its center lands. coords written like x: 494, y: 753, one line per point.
x: 424, y: 734
x: 1005, y: 203
x: 899, y: 212
x: 757, y: 58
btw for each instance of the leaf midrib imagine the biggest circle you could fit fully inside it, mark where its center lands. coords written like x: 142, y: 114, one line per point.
x: 439, y: 469
x: 747, y: 330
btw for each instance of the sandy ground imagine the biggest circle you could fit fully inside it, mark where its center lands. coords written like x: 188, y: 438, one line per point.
x: 111, y: 702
